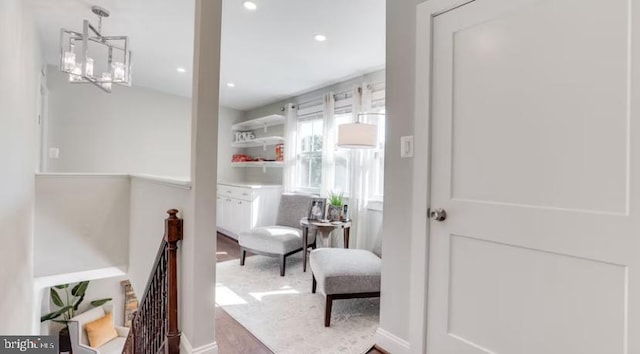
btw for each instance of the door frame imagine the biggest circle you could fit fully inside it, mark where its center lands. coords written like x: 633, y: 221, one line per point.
x: 419, y: 278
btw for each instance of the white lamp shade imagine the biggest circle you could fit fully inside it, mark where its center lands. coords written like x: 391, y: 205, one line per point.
x: 357, y: 136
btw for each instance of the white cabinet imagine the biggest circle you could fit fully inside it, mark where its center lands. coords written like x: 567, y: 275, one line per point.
x: 242, y: 207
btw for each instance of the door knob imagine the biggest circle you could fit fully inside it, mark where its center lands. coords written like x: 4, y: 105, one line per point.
x: 438, y: 214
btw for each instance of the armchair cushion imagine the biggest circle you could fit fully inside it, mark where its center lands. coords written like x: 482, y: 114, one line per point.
x: 101, y: 331
x: 122, y: 331
x: 272, y: 239
x: 113, y: 346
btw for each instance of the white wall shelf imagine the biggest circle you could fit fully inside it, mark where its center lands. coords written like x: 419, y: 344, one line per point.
x: 264, y: 142
x: 263, y: 164
x: 258, y: 164
x: 262, y: 122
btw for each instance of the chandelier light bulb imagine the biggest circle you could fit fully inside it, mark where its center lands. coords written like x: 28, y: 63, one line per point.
x: 69, y: 61
x: 89, y: 67
x: 118, y: 71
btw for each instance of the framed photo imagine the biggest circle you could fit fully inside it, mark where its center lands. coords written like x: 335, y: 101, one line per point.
x: 316, y: 209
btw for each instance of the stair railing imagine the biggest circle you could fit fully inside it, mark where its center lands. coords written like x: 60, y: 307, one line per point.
x: 154, y: 328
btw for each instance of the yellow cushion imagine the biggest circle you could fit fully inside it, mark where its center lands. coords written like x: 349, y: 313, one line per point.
x: 100, y: 331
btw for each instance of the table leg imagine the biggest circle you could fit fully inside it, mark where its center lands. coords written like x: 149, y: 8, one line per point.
x: 346, y: 237
x: 305, y: 237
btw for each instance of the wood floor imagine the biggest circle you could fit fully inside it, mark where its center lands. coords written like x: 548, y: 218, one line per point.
x: 231, y: 336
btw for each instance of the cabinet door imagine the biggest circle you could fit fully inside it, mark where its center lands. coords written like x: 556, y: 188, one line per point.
x: 220, y: 211
x: 243, y: 208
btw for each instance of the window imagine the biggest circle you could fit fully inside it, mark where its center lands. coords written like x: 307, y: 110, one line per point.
x: 313, y: 174
x: 309, y: 154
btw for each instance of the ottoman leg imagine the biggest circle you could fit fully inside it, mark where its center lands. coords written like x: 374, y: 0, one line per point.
x: 327, y: 310
x: 313, y: 285
x: 243, y: 254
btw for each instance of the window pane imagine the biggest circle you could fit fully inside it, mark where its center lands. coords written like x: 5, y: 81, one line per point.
x: 310, y: 171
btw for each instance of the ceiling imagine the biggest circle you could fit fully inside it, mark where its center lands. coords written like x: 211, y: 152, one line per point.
x: 269, y: 54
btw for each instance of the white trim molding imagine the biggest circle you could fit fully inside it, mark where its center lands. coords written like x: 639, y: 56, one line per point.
x: 426, y: 12
x: 391, y: 343
x: 185, y: 347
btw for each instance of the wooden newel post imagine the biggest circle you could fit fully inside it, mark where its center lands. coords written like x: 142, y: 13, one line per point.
x: 173, y: 234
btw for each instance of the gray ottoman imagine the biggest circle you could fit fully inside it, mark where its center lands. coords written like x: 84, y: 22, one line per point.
x: 344, y: 274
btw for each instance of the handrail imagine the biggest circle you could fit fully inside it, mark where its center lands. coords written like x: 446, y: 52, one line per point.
x: 154, y: 328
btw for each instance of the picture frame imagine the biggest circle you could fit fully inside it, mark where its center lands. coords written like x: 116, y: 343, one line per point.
x: 316, y: 209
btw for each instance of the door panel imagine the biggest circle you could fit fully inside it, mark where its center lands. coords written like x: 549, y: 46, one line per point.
x: 533, y: 157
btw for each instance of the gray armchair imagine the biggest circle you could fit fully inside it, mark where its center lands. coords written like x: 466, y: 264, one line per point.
x: 282, y: 239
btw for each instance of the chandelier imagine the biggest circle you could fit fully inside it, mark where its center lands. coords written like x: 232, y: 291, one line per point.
x: 90, y: 57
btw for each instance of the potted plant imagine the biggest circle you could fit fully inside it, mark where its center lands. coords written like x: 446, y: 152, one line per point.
x: 67, y: 308
x: 336, y: 201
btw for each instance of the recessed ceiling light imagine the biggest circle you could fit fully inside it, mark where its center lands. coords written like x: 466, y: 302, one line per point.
x: 250, y: 5
x: 181, y: 70
x: 320, y: 37
x: 231, y: 84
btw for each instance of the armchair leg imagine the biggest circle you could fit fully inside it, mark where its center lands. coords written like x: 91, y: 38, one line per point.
x: 313, y: 285
x: 327, y: 310
x: 283, y: 260
x: 243, y: 255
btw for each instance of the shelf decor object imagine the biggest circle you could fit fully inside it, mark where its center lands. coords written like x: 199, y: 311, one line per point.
x: 358, y: 135
x: 83, y: 53
x: 264, y: 142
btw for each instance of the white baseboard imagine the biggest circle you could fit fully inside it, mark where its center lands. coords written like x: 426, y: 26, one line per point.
x: 185, y: 347
x: 391, y: 343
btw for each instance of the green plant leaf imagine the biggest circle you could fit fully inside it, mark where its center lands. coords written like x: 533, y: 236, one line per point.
x: 80, y: 288
x: 55, y: 314
x: 49, y: 316
x: 100, y: 302
x: 62, y: 286
x: 56, y: 298
x: 77, y: 304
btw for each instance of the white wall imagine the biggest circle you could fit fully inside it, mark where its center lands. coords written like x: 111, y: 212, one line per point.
x: 131, y: 130
x: 19, y: 83
x: 150, y: 200
x: 81, y: 223
x: 226, y: 172
x: 396, y: 244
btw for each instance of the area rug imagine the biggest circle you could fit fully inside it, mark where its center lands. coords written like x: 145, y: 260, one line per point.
x: 283, y: 313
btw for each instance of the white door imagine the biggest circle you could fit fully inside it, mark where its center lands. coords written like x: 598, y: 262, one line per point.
x: 535, y: 156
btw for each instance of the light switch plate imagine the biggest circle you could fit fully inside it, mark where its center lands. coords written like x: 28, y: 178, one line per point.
x: 406, y: 146
x: 54, y: 153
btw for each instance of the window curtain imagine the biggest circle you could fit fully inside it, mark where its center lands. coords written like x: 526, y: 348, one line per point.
x: 289, y: 173
x: 367, y: 236
x: 328, y: 144
x: 358, y: 172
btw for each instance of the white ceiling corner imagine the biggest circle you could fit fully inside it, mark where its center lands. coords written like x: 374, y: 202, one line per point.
x: 269, y: 54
